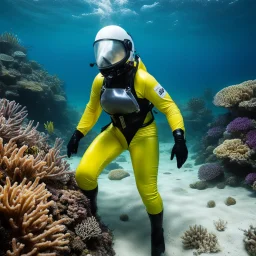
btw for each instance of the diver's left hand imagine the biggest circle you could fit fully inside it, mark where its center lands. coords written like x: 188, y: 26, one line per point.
x: 179, y: 149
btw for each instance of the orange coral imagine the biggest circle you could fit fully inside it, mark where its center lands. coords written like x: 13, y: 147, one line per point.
x: 19, y: 165
x: 26, y: 208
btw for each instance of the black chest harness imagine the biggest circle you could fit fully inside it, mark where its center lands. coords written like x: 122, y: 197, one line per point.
x: 129, y: 122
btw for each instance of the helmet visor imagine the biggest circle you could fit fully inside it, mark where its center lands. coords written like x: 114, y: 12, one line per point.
x: 108, y: 52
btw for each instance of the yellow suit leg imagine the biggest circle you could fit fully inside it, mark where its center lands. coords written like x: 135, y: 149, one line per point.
x: 104, y: 149
x: 144, y: 151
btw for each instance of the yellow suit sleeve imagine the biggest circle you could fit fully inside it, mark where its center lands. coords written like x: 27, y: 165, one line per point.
x: 93, y: 108
x: 146, y: 86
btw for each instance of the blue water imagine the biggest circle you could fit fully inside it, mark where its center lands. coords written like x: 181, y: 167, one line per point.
x: 187, y: 45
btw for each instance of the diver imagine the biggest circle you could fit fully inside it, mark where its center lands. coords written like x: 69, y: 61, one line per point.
x: 127, y: 92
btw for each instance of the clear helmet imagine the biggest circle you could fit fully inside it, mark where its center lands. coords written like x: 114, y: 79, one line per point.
x: 113, y: 48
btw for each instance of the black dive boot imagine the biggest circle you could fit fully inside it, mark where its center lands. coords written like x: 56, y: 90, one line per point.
x: 92, y: 196
x: 157, y: 234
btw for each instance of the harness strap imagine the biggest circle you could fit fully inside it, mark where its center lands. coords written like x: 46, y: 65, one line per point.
x: 134, y: 121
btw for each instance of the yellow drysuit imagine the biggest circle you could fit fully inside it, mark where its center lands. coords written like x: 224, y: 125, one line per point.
x: 143, y: 149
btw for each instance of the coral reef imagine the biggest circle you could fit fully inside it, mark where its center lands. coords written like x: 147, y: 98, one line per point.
x: 220, y: 225
x: 254, y: 185
x: 211, y: 204
x: 210, y: 171
x: 118, y: 174
x: 215, y: 132
x: 232, y: 95
x: 22, y: 80
x: 9, y: 42
x: 248, y: 105
x: 221, y: 185
x: 200, y: 185
x: 40, y: 202
x: 250, y: 240
x: 25, y: 207
x: 240, y: 124
x: 251, y: 139
x: 12, y: 118
x: 232, y: 181
x: 70, y: 203
x: 234, y: 150
x: 88, y: 228
x: 198, y: 238
x: 19, y: 165
x: 230, y: 201
x: 250, y: 178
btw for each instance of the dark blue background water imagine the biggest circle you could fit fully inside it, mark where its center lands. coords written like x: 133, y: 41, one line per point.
x: 187, y: 45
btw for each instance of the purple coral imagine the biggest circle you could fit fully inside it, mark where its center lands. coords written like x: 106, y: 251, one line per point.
x: 240, y: 124
x: 251, y: 139
x: 250, y: 178
x: 76, y: 203
x: 215, y: 132
x: 210, y: 171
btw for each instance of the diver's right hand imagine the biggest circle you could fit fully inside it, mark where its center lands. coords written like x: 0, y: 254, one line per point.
x: 73, y: 143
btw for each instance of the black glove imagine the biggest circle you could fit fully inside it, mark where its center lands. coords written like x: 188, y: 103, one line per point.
x: 179, y: 149
x: 73, y: 143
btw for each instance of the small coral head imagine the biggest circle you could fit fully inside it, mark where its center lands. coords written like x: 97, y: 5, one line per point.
x: 251, y: 139
x: 240, y: 124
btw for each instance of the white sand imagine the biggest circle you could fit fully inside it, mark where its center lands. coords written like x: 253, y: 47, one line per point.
x: 183, y: 206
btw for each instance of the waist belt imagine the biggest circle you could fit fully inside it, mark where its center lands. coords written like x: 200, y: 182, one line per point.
x: 129, y: 124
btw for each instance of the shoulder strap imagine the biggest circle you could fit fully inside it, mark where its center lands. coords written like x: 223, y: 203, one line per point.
x: 134, y: 71
x: 150, y: 105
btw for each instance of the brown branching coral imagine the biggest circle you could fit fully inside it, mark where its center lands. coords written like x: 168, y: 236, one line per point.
x: 234, y: 150
x: 57, y: 168
x: 18, y: 202
x: 18, y: 165
x: 25, y: 206
x: 12, y: 116
x: 232, y: 95
x: 16, y: 248
x: 6, y: 149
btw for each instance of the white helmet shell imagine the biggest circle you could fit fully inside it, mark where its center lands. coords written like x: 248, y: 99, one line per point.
x: 116, y: 33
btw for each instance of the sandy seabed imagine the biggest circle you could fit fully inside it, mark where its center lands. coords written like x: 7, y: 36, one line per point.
x: 183, y: 207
